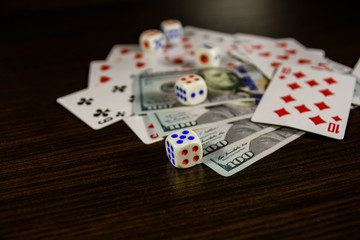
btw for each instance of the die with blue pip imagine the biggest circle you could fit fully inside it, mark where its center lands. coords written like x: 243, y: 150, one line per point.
x: 152, y: 41
x: 173, y: 30
x: 191, y: 89
x: 184, y: 149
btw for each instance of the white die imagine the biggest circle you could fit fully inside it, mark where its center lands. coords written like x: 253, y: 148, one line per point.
x: 207, y: 56
x: 173, y: 30
x: 152, y: 41
x: 191, y: 89
x: 184, y: 149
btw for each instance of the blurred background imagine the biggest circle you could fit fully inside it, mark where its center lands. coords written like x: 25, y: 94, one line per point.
x: 58, y: 27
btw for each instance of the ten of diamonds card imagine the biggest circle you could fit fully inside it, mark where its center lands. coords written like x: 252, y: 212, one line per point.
x: 309, y: 99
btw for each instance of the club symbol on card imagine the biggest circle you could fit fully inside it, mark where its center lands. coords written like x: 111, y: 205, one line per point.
x: 131, y: 99
x: 100, y: 112
x: 85, y: 101
x: 118, y: 88
x: 120, y: 114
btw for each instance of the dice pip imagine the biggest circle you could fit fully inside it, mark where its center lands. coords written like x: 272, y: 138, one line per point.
x: 173, y: 30
x: 152, y: 40
x: 191, y: 89
x: 184, y: 149
x: 207, y: 56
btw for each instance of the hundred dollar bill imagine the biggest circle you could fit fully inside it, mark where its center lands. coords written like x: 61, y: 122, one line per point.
x: 356, y: 73
x: 230, y: 148
x: 155, y: 91
x: 356, y: 97
x: 166, y: 122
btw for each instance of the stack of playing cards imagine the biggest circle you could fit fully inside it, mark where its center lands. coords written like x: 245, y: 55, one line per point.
x: 298, y: 89
x: 109, y: 95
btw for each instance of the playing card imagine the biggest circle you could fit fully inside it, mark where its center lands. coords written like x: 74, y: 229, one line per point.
x: 316, y: 51
x: 195, y: 37
x: 101, y: 106
x: 103, y: 72
x: 177, y: 57
x: 181, y: 56
x: 316, y: 101
x: 119, y: 52
x: 243, y: 44
x: 174, y: 58
x: 268, y: 55
x: 143, y: 128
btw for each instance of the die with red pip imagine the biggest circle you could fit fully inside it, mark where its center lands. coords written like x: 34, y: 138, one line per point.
x: 152, y: 40
x: 191, y: 89
x: 184, y: 149
x: 207, y: 55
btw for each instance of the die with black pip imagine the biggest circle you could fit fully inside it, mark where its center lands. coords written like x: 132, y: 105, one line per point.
x: 191, y: 89
x: 184, y: 149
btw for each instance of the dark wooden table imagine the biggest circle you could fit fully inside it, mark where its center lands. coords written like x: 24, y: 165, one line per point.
x: 59, y: 179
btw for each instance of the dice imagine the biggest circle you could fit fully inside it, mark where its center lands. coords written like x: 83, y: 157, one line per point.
x: 191, y: 89
x: 152, y: 40
x: 184, y: 149
x: 207, y: 56
x: 172, y: 30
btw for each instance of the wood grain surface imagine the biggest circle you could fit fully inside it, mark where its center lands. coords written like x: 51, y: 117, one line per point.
x: 59, y: 179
